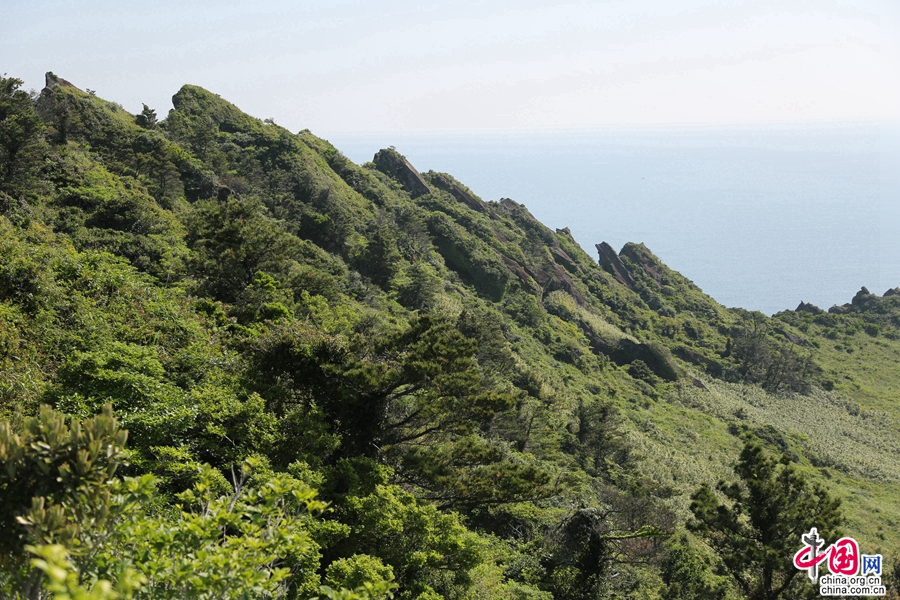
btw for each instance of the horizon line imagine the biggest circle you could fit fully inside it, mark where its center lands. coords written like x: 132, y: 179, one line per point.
x: 697, y: 126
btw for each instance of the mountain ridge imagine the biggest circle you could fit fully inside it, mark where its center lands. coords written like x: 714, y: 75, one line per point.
x: 239, y: 291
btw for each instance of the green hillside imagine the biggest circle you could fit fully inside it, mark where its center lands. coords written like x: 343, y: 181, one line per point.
x: 357, y: 381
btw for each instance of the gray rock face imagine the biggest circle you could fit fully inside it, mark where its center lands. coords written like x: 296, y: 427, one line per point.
x: 613, y: 265
x: 393, y: 164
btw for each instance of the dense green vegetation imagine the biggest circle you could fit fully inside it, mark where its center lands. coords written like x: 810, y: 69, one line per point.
x: 359, y: 381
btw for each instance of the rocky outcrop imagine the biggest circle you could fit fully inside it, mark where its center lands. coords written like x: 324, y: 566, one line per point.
x: 51, y: 80
x: 864, y: 299
x: 540, y: 275
x: 511, y: 204
x: 861, y: 295
x: 554, y: 278
x: 794, y: 339
x: 688, y: 355
x: 613, y: 265
x: 809, y: 308
x: 59, y: 109
x: 551, y: 272
x: 560, y: 256
x: 527, y: 282
x: 560, y: 280
x: 393, y: 164
x: 626, y: 351
x: 442, y: 182
x: 641, y: 255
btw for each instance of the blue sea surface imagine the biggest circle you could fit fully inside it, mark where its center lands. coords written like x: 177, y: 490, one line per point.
x: 759, y: 217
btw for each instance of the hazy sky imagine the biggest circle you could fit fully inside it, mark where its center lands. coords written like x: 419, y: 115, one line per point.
x: 415, y: 65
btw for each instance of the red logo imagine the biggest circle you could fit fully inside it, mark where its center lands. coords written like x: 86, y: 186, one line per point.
x: 844, y: 557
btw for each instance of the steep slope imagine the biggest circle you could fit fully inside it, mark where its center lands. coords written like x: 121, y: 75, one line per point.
x: 524, y: 419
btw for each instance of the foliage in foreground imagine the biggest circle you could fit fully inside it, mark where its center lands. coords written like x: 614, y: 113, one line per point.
x: 756, y: 534
x: 82, y: 532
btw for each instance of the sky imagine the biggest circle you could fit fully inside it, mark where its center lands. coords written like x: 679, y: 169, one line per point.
x: 347, y: 66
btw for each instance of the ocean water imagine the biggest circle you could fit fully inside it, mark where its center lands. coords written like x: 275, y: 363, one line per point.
x: 759, y: 217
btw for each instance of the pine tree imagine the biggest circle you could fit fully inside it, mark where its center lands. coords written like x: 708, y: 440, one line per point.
x: 757, y: 532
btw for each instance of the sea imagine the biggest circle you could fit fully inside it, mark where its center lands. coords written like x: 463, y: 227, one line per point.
x: 760, y: 217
